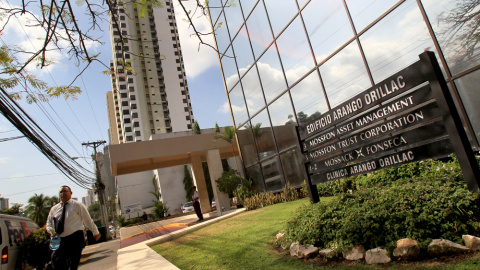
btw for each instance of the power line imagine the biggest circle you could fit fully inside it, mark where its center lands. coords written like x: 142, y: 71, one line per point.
x: 11, y: 138
x: 25, y: 124
x: 17, y: 177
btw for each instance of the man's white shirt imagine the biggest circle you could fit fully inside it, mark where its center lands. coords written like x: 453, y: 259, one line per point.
x: 76, y: 215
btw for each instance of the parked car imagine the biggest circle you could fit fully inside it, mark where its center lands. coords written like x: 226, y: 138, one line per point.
x: 214, y: 204
x: 13, y: 231
x: 188, y: 207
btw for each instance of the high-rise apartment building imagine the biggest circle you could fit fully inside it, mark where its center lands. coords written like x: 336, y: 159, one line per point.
x: 287, y: 64
x: 153, y: 97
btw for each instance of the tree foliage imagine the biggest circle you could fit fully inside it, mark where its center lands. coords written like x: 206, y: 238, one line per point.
x: 196, y: 128
x: 34, y: 89
x: 38, y: 208
x: 187, y: 183
x: 15, y: 209
x: 228, y: 182
x: 95, y: 212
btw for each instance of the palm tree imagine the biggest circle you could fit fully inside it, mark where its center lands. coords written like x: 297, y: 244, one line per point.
x: 38, y: 208
x: 53, y: 200
x: 228, y: 136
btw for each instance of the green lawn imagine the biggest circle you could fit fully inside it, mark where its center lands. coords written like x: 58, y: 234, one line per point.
x: 245, y: 241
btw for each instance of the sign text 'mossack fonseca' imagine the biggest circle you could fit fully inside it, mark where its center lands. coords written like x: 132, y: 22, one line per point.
x: 435, y: 149
x: 380, y: 147
x: 399, y: 105
x: 388, y: 88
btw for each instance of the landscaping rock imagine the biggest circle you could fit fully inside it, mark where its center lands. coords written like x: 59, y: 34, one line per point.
x: 294, y: 249
x: 377, y: 255
x: 280, y: 237
x: 472, y: 242
x: 329, y: 252
x: 443, y: 246
x: 307, y: 251
x: 407, y: 249
x: 354, y: 253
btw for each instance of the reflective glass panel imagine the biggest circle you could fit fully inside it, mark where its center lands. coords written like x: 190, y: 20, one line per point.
x: 254, y: 174
x: 238, y: 105
x: 295, y: 51
x: 229, y: 69
x: 302, y: 3
x: 262, y: 132
x: 272, y: 174
x: 292, y: 163
x: 214, y: 7
x: 247, y: 6
x: 344, y: 75
x: 243, y: 51
x: 280, y: 14
x: 283, y: 122
x: 253, y: 91
x: 457, y: 30
x: 271, y: 74
x: 234, y: 16
x: 247, y: 146
x: 308, y: 98
x: 221, y: 34
x: 327, y: 25
x: 470, y: 95
x: 364, y: 12
x: 259, y: 30
x: 396, y: 41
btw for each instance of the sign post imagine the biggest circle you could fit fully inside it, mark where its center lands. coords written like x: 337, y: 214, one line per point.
x: 407, y: 117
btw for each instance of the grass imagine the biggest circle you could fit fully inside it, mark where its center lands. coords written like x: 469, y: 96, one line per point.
x: 245, y: 241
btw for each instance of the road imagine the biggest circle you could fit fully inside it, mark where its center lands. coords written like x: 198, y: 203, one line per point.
x: 100, y: 256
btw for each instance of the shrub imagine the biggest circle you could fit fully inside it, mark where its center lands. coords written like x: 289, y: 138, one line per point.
x: 418, y: 208
x: 121, y: 221
x: 267, y: 198
x: 229, y: 182
x: 35, y: 249
x: 159, y: 209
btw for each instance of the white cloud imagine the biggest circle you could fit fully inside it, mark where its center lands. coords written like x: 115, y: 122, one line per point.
x: 198, y: 58
x: 4, y: 160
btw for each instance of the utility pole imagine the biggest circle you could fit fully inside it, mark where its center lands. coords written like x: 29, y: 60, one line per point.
x: 99, y: 186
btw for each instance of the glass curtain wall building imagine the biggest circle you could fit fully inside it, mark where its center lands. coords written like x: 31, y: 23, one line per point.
x: 287, y: 62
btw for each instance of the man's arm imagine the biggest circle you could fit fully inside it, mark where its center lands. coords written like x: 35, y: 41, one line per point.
x: 88, y: 221
x: 50, y: 226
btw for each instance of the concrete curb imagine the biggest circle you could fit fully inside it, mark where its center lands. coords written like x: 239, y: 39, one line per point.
x: 141, y: 256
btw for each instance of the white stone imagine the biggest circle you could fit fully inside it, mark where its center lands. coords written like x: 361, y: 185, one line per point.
x: 443, y: 246
x: 329, y: 252
x: 472, y: 242
x: 354, y: 253
x: 294, y: 249
x: 377, y: 255
x: 406, y: 249
x: 307, y: 251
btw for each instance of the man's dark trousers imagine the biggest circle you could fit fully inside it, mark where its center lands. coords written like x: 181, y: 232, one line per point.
x: 67, y: 256
x: 198, y: 211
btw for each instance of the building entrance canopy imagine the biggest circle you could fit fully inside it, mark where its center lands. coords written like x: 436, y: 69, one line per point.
x: 155, y: 154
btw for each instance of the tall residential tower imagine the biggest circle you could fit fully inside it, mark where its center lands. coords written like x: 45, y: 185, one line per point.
x: 152, y: 98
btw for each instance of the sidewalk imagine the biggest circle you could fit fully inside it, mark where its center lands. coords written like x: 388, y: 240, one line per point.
x: 141, y: 256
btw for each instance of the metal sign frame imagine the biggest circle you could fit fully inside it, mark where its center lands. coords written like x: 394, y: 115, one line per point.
x: 337, y: 124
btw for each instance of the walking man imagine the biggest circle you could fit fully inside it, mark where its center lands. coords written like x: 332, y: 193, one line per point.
x: 67, y: 220
x: 196, y: 204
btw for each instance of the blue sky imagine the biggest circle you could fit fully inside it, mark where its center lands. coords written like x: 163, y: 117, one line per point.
x: 24, y: 171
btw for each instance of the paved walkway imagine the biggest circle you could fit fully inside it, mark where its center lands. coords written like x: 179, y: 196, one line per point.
x: 100, y: 256
x: 139, y: 255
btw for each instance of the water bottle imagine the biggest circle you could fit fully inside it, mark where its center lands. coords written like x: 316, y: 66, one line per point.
x: 55, y: 242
